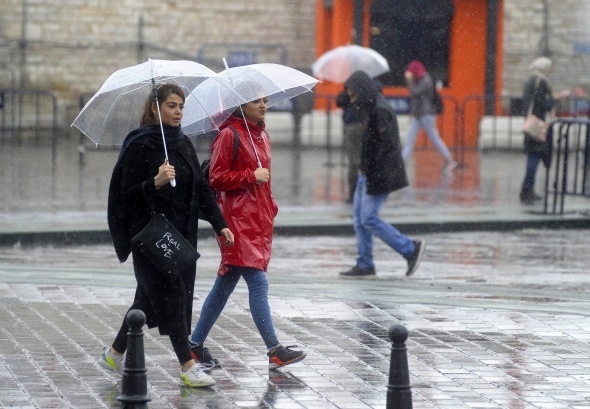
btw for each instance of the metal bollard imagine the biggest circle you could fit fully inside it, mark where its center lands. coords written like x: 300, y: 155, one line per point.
x: 399, y: 393
x: 134, y: 385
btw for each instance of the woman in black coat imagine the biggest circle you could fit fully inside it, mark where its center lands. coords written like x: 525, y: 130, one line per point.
x: 381, y: 172
x: 141, y: 179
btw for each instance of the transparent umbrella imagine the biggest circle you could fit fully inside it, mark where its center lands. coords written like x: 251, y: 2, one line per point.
x: 246, y: 83
x: 117, y: 107
x: 338, y: 64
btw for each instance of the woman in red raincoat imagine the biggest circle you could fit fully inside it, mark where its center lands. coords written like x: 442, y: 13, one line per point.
x: 242, y: 182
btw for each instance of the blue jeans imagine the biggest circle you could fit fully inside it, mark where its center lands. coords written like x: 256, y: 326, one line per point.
x: 532, y: 163
x: 428, y: 122
x: 367, y: 223
x: 219, y: 294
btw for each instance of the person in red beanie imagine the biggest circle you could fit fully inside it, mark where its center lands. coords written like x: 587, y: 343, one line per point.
x: 423, y: 113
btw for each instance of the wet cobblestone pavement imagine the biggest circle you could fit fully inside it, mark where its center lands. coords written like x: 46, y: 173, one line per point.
x: 496, y: 320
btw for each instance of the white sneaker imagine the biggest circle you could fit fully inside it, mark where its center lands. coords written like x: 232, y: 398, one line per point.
x: 111, y: 361
x: 449, y: 166
x: 195, y: 377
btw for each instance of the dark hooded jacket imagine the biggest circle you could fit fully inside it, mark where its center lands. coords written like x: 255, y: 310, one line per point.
x: 381, y: 158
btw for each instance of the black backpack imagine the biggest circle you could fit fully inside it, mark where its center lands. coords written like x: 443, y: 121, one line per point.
x: 207, y: 162
x: 437, y: 102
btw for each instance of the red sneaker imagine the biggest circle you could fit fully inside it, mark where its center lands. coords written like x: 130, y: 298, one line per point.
x: 282, y: 356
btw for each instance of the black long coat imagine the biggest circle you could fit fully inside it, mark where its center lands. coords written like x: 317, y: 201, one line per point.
x: 130, y: 192
x: 381, y: 156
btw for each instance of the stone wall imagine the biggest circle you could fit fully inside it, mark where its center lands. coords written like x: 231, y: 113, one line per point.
x: 73, y: 46
x: 569, y: 42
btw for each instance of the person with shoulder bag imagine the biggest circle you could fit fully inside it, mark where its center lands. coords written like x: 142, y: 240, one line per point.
x: 141, y: 187
x: 538, y: 102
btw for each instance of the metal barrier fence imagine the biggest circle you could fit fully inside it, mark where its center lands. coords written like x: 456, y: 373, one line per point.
x: 458, y: 145
x: 569, y: 157
x: 29, y: 115
x: 498, y: 120
x: 26, y: 114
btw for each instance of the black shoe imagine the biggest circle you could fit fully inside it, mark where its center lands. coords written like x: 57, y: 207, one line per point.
x: 416, y: 258
x: 527, y: 198
x: 203, y: 356
x: 356, y: 271
x: 282, y: 356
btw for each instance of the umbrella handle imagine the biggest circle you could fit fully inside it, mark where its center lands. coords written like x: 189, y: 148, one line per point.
x: 173, y: 181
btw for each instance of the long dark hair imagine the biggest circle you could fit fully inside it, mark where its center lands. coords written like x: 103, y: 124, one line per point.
x: 163, y: 91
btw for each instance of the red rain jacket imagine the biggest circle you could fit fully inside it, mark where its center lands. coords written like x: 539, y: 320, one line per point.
x: 248, y: 207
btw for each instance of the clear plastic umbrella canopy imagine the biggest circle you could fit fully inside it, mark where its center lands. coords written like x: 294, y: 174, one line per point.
x: 247, y: 83
x: 338, y: 64
x: 117, y: 107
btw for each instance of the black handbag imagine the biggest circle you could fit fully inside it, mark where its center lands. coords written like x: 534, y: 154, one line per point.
x: 164, y: 246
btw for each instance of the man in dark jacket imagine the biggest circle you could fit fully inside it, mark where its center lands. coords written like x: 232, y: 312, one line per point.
x: 381, y: 172
x: 353, y: 132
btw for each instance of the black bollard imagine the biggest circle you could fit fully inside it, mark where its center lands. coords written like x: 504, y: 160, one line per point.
x: 399, y: 393
x: 134, y: 385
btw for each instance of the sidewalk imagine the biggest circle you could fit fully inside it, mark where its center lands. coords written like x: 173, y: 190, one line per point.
x: 490, y: 326
x: 498, y: 313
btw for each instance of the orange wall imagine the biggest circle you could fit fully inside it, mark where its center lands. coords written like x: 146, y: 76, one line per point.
x: 466, y: 66
x: 467, y: 61
x: 334, y: 28
x: 467, y: 51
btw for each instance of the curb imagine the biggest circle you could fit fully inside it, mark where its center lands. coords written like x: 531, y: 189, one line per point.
x: 88, y: 237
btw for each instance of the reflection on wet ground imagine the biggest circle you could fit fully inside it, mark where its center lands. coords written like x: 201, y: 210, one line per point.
x: 496, y: 319
x: 540, y: 259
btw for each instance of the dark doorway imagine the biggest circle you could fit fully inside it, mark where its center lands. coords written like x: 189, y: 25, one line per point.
x: 404, y: 30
